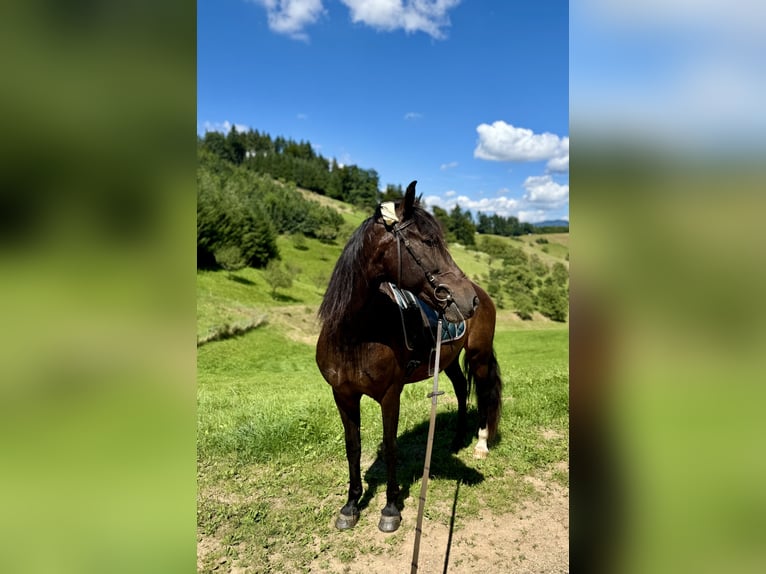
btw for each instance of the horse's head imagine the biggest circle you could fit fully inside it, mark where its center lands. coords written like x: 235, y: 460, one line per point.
x: 412, y: 253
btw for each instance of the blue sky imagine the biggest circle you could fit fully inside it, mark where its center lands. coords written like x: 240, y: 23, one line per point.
x: 470, y: 98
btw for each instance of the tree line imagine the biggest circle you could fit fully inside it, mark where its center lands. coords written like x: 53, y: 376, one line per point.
x: 297, y: 162
x: 288, y: 160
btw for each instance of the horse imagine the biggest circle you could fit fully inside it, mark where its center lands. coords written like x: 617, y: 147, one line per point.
x: 361, y: 349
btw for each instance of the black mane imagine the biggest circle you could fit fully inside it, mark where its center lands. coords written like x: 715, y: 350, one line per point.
x: 348, y: 284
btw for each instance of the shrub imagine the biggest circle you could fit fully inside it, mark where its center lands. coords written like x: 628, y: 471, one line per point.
x: 278, y: 277
x: 553, y: 303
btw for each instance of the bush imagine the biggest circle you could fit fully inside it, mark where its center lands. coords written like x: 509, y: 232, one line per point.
x: 523, y: 305
x: 553, y: 303
x: 299, y: 241
x: 537, y: 266
x: 230, y: 258
x: 278, y: 277
x: 560, y: 274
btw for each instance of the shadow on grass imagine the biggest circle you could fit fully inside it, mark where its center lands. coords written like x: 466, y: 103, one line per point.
x: 285, y: 298
x: 411, y: 456
x: 240, y: 279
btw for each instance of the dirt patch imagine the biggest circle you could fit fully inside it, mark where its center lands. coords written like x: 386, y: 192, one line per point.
x: 533, y: 539
x: 297, y: 322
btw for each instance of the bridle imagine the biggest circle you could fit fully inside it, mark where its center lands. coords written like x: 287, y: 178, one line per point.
x: 442, y: 292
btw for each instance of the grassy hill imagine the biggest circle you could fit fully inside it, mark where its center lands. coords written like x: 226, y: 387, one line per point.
x: 234, y: 302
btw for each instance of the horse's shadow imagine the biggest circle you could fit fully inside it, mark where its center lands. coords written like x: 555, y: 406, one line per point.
x: 411, y: 457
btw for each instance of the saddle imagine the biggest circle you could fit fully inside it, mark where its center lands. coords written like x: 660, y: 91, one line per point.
x: 419, y: 323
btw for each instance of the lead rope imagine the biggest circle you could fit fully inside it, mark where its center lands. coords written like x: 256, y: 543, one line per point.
x: 429, y: 446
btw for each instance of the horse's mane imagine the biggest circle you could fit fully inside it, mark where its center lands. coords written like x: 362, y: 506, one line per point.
x: 349, y: 286
x: 348, y: 282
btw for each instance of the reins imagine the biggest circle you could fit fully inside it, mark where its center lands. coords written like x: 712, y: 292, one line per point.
x: 429, y: 447
x: 443, y: 295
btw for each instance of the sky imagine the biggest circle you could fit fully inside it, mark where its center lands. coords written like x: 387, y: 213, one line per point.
x: 470, y: 98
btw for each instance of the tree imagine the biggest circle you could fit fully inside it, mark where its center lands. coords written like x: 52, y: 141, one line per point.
x: 461, y: 226
x: 493, y: 246
x: 560, y: 274
x: 278, y: 277
x: 227, y: 218
x: 523, y: 304
x: 236, y: 145
x: 230, y: 258
x: 553, y: 303
x: 515, y: 256
x: 537, y: 266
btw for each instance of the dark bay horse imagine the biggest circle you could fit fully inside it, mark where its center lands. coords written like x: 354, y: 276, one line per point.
x: 361, y: 349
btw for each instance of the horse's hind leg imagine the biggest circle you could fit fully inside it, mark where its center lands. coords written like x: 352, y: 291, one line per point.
x: 460, y: 384
x: 390, y: 516
x: 484, y: 370
x: 348, y: 407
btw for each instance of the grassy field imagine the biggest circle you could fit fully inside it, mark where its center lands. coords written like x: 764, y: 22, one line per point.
x: 272, y: 472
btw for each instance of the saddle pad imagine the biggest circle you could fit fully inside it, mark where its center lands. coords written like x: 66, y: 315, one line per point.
x: 406, y: 300
x: 450, y: 331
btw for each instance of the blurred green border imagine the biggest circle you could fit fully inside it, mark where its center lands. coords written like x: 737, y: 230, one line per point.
x: 97, y: 287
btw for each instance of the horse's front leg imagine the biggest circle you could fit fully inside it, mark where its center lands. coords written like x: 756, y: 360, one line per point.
x: 390, y: 516
x: 348, y: 407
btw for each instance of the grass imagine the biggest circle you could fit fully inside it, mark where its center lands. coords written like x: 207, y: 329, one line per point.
x: 271, y: 464
x: 272, y: 472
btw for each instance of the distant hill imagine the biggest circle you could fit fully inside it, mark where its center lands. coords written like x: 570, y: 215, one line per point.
x: 553, y: 223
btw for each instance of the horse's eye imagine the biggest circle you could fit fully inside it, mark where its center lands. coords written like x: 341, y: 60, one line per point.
x: 429, y: 242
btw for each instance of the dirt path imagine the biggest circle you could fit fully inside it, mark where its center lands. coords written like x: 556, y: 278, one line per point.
x: 534, y: 539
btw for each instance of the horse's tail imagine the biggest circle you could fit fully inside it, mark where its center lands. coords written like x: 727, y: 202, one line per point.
x: 489, y: 391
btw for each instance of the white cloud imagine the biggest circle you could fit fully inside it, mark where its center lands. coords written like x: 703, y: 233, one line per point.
x: 428, y: 16
x: 541, y: 189
x: 449, y: 165
x: 558, y: 164
x: 543, y: 199
x: 533, y: 216
x: 412, y: 116
x: 505, y: 142
x: 501, y: 205
x: 290, y: 17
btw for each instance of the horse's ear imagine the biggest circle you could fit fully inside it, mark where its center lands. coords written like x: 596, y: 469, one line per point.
x: 409, y: 200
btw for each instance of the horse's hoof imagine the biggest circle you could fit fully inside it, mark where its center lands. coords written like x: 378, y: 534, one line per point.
x: 480, y: 453
x: 389, y: 523
x: 345, y: 522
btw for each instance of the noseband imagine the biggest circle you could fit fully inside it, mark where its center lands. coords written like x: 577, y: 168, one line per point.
x: 442, y: 292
